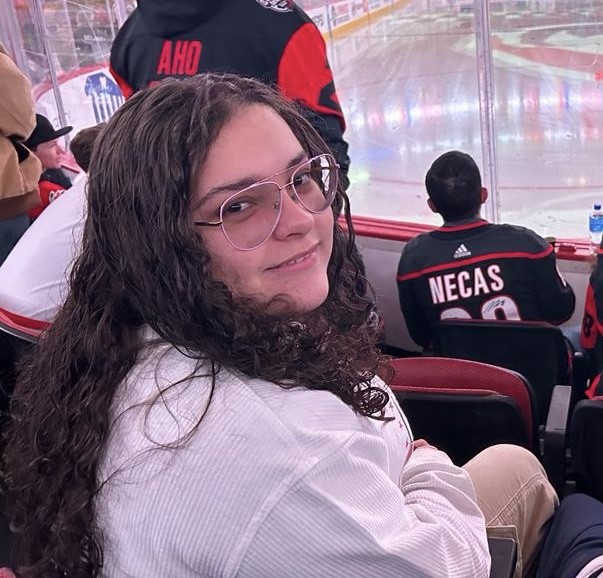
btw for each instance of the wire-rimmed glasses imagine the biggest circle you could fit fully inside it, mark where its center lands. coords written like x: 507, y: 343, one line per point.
x: 249, y: 217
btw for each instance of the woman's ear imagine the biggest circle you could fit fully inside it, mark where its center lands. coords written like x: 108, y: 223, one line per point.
x: 431, y: 205
x: 483, y: 195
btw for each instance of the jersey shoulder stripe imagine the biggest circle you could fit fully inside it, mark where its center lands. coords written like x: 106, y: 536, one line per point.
x: 473, y: 260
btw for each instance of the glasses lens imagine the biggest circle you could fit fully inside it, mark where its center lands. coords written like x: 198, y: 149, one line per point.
x: 315, y: 183
x: 249, y: 217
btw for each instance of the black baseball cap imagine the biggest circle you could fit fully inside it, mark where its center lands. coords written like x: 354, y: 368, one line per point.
x: 44, y: 132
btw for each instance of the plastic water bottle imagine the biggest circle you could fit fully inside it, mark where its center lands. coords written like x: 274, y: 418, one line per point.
x: 595, y: 225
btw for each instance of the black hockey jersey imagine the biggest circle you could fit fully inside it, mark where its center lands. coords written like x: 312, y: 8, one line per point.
x: 481, y: 271
x: 271, y: 40
x: 591, y: 335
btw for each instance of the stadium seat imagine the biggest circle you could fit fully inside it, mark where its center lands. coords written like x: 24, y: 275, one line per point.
x: 586, y: 443
x: 464, y: 406
x: 537, y: 350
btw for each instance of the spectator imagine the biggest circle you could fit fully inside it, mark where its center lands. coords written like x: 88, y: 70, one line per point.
x: 44, y: 142
x: 591, y: 334
x: 82, y: 145
x: 469, y: 268
x: 19, y: 170
x: 212, y: 374
x: 33, y: 279
x: 271, y: 40
x: 574, y: 544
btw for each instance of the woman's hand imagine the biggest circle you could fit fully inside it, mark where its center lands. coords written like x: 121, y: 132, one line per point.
x: 422, y: 444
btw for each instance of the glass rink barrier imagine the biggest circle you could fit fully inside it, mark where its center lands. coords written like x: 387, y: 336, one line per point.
x: 517, y: 84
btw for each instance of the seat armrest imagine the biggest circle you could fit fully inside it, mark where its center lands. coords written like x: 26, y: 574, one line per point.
x: 555, y: 436
x: 584, y: 367
x: 504, y: 556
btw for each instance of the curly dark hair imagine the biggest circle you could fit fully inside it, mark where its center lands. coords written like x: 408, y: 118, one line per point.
x: 144, y: 264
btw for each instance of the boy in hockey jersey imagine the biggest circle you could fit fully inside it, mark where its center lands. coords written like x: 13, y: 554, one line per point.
x: 470, y: 268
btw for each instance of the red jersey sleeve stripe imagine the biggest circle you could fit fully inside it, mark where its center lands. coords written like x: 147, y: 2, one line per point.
x: 126, y: 89
x: 304, y: 74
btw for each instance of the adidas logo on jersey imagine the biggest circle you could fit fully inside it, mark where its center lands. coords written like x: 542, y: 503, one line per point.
x: 462, y: 251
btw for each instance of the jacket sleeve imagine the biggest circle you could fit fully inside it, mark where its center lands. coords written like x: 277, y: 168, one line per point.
x: 304, y: 75
x: 329, y: 128
x: 589, y: 329
x: 17, y: 115
x: 19, y: 169
x: 121, y: 59
x: 346, y: 517
x: 555, y: 295
x: 417, y: 323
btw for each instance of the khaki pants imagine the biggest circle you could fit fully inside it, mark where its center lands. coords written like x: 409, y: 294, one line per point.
x: 515, y: 497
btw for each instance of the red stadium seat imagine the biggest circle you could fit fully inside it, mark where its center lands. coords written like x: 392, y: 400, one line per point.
x: 464, y: 406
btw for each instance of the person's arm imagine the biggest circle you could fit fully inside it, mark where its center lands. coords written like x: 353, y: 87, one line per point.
x: 589, y: 331
x: 304, y: 75
x: 17, y: 114
x: 417, y: 323
x: 15, y: 206
x: 346, y: 517
x: 119, y: 58
x: 555, y: 295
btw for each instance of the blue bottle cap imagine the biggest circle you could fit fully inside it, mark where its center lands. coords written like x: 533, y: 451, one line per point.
x: 597, y: 207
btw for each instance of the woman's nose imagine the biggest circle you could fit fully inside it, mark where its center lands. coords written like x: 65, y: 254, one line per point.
x: 294, y: 218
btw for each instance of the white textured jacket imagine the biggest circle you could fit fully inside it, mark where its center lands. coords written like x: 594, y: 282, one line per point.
x: 275, y: 483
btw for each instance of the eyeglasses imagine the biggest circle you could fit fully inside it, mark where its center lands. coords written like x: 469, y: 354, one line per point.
x: 249, y: 217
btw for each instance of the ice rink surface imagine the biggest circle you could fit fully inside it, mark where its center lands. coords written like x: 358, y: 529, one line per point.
x: 408, y: 86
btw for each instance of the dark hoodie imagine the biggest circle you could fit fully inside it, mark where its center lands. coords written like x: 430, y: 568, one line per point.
x: 271, y: 40
x: 168, y: 18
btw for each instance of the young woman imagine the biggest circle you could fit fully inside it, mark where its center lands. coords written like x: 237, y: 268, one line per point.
x: 206, y: 402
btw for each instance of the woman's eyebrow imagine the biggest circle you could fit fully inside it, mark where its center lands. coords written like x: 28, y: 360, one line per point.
x: 247, y: 181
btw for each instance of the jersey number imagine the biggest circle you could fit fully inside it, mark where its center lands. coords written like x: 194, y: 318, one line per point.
x: 501, y: 307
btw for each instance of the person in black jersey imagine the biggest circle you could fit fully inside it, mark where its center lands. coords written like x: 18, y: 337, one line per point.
x: 274, y: 41
x: 591, y: 334
x: 470, y: 268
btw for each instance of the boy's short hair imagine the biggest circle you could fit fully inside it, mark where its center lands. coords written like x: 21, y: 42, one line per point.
x: 82, y: 145
x: 454, y: 184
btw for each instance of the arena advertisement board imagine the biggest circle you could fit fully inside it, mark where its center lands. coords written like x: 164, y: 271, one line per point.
x: 320, y: 16
x: 90, y: 95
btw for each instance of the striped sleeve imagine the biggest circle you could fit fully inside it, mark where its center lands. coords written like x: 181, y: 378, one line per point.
x: 346, y: 517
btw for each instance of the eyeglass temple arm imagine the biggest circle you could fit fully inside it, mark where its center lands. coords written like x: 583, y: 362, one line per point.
x: 207, y: 223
